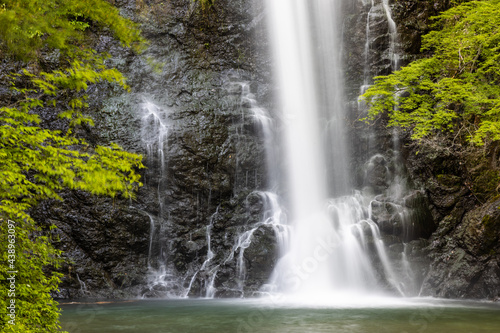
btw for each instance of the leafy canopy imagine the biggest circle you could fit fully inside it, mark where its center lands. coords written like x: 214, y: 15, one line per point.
x: 457, y: 87
x: 36, y: 163
x: 27, y: 26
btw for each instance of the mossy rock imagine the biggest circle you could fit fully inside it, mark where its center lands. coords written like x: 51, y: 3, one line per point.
x: 491, y: 233
x: 448, y: 180
x: 485, y: 184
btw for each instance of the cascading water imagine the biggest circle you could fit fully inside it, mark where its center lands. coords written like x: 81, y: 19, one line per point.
x: 366, y: 69
x: 379, y: 13
x: 393, y: 33
x: 162, y: 279
x: 266, y: 123
x: 328, y: 252
x: 154, y: 134
x: 271, y: 213
x: 209, y: 280
x: 329, y: 246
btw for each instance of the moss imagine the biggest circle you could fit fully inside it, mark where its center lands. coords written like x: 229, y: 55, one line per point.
x: 490, y: 228
x: 490, y: 234
x: 485, y: 184
x: 449, y: 180
x: 486, y: 220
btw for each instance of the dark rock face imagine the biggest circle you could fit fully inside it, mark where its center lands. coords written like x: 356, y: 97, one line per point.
x: 451, y: 206
x: 399, y: 208
x: 214, y: 154
x: 106, y: 244
x: 414, y: 18
x: 460, y: 186
x: 204, y: 155
x: 465, y: 254
x: 463, y: 250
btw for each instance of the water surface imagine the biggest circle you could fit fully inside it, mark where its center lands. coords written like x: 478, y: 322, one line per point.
x: 257, y: 315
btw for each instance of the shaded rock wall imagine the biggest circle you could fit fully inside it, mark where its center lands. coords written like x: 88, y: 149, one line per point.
x: 192, y: 75
x: 398, y: 207
x: 464, y: 249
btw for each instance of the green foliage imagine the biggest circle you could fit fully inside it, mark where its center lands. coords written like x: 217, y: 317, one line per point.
x: 457, y: 88
x: 205, y: 4
x: 37, y: 163
x: 36, y: 311
x: 26, y: 26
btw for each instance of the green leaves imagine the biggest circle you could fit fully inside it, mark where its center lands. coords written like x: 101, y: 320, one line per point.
x: 458, y: 86
x: 27, y: 26
x: 37, y: 163
x: 36, y: 311
x: 54, y: 161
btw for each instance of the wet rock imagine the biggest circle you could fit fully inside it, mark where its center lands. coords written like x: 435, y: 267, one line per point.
x: 465, y: 256
x: 413, y: 18
x: 463, y: 248
x: 192, y: 73
x: 105, y: 242
x: 377, y: 173
x: 261, y: 257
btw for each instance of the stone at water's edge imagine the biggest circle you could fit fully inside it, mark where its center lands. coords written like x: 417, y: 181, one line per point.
x: 466, y: 257
x: 106, y: 243
x: 465, y: 249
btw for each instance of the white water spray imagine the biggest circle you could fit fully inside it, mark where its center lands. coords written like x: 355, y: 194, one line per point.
x: 393, y: 35
x: 327, y: 255
x: 162, y: 279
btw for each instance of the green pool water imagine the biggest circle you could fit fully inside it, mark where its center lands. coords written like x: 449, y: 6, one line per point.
x: 258, y: 315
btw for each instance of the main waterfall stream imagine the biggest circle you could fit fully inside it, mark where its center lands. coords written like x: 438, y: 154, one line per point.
x: 334, y: 273
x: 327, y: 255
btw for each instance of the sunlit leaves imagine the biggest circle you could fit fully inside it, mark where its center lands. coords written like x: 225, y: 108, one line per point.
x: 37, y: 163
x: 458, y: 86
x: 33, y: 286
x: 26, y: 26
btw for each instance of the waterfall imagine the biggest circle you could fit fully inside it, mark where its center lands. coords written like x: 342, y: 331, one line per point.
x: 310, y: 84
x: 162, y: 278
x: 330, y: 241
x: 154, y: 133
x: 209, y: 281
x: 393, y: 33
x: 366, y: 69
x: 327, y: 254
x: 378, y: 13
x: 267, y: 125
